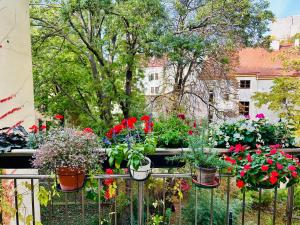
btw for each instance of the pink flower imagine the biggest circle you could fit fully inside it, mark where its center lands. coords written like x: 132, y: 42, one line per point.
x: 258, y: 151
x: 249, y: 158
x: 270, y: 161
x: 294, y: 174
x: 273, y: 151
x: 291, y: 168
x: 239, y: 148
x: 260, y: 116
x: 231, y: 148
x: 279, y: 166
x: 264, y: 167
x: 288, y: 156
x: 247, y: 117
x: 242, y: 173
x: 247, y: 167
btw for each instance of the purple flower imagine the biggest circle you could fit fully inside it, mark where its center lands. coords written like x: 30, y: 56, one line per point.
x: 260, y: 116
x: 247, y: 117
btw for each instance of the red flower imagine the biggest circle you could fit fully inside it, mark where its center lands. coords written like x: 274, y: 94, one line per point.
x: 240, y: 183
x: 190, y: 132
x: 34, y: 129
x: 239, y: 148
x: 260, y: 116
x: 59, y: 117
x: 270, y: 161
x: 184, y: 185
x: 107, y: 195
x: 230, y: 160
x: 273, y: 151
x: 294, y: 174
x: 249, y: 158
x: 43, y: 127
x: 288, y: 156
x: 242, y: 173
x: 247, y: 167
x: 229, y: 169
x: 291, y: 168
x: 273, y: 179
x: 129, y: 122
x: 109, y: 171
x: 145, y: 118
x: 258, y: 151
x: 181, y: 116
x: 274, y: 174
x: 88, y: 130
x: 195, y: 124
x: 275, y: 146
x: 231, y: 148
x: 108, y: 182
x: 148, y: 127
x: 279, y: 166
x: 264, y: 167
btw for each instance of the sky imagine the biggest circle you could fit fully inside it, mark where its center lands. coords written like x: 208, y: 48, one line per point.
x: 284, y: 8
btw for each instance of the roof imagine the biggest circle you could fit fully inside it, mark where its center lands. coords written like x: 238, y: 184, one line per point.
x: 157, y: 62
x: 263, y: 63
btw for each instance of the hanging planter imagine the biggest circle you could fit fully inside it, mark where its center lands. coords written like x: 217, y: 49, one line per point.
x: 70, y: 179
x: 143, y: 171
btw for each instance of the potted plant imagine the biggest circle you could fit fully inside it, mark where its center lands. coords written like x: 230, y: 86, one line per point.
x: 266, y: 167
x: 132, y: 146
x: 70, y: 154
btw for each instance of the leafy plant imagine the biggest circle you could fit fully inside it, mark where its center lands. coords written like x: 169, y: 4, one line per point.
x: 68, y: 148
x: 265, y: 167
x: 250, y: 132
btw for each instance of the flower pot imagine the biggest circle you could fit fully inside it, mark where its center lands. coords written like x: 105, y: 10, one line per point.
x: 70, y: 179
x: 206, y: 175
x: 143, y: 172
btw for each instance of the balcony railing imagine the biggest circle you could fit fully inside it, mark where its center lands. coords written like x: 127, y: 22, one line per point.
x: 137, y: 204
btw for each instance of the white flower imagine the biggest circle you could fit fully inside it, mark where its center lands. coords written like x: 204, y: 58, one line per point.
x: 237, y: 136
x: 226, y: 138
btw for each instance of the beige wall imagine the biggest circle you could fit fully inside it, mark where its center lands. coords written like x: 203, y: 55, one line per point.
x: 15, y: 62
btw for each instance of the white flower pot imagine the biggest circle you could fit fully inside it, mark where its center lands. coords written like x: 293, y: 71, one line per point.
x: 143, y: 171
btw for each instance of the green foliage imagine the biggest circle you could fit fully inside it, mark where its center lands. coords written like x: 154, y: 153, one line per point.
x: 172, y: 132
x: 203, y: 209
x: 251, y: 132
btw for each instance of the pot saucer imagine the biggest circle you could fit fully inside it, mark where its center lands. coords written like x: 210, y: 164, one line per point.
x: 215, y: 184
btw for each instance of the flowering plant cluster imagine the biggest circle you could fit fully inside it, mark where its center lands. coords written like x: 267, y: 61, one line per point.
x: 110, y: 186
x: 265, y: 167
x: 251, y: 131
x: 68, y: 148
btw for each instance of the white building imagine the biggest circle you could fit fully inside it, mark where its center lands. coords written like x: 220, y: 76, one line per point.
x: 255, y: 73
x: 285, y: 28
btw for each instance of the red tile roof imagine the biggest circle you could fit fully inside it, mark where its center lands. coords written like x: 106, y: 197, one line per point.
x: 157, y: 62
x: 262, y: 63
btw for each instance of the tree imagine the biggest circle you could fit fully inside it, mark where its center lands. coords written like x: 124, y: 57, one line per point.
x: 87, y: 55
x: 201, y: 42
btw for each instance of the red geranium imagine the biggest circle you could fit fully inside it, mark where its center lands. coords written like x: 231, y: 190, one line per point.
x: 88, y: 130
x: 242, y: 173
x: 273, y: 151
x: 249, y: 158
x: 270, y: 161
x: 190, y: 132
x: 258, y: 151
x: 247, y: 167
x: 240, y: 183
x: 264, y: 167
x: 274, y: 173
x: 59, y: 117
x: 291, y: 168
x: 294, y: 174
x: 145, y: 118
x: 34, y: 129
x: 273, y: 179
x: 181, y: 116
x: 129, y: 123
x: 279, y: 166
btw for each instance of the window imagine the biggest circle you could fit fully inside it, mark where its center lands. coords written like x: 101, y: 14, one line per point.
x: 151, y: 77
x: 245, y: 84
x: 244, y: 108
x: 226, y: 97
x: 152, y: 90
x: 156, y: 76
x: 156, y: 90
x: 211, y: 96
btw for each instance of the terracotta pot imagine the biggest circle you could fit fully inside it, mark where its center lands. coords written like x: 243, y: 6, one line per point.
x: 205, y: 175
x: 70, y: 179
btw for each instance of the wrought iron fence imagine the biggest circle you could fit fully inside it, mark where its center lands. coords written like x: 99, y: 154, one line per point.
x: 137, y: 208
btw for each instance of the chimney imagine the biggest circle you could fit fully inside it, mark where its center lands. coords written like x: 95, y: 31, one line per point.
x: 275, y: 45
x: 297, y: 42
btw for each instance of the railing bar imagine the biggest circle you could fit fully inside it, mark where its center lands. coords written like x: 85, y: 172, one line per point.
x: 290, y: 205
x: 259, y: 207
x: 99, y: 199
x: 32, y: 201
x: 148, y: 210
x: 180, y: 204
x: 82, y: 206
x: 131, y: 202
x: 66, y: 208
x: 243, y: 207
x: 115, y: 206
x: 16, y: 201
x: 164, y: 198
x: 50, y: 205
x: 196, y: 205
x: 227, y: 201
x: 212, y: 207
x: 274, y: 210
x: 141, y: 203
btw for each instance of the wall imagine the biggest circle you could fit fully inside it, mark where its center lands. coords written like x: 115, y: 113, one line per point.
x: 15, y: 63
